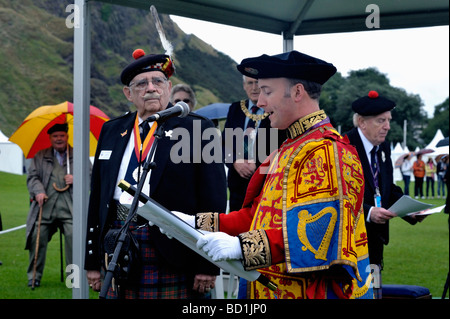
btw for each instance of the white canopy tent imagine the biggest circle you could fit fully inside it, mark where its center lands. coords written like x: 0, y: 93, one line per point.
x: 11, y: 156
x: 432, y: 145
x: 395, y: 154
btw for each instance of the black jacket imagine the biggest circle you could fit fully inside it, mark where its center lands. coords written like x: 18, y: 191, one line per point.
x: 187, y: 187
x: 378, y: 234
x: 236, y: 119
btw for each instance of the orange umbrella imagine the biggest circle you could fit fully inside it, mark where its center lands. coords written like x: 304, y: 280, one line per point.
x: 31, y: 136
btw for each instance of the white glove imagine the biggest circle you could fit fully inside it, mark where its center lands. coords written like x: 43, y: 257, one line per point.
x: 188, y: 219
x: 160, y: 229
x: 164, y: 233
x: 220, y: 246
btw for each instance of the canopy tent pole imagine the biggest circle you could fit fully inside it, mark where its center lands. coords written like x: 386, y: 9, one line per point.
x: 81, y: 98
x: 288, y: 43
x: 288, y: 36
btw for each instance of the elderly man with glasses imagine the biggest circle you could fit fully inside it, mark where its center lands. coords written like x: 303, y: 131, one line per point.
x: 162, y: 268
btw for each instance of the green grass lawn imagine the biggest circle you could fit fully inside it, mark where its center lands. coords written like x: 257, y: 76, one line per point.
x: 416, y: 255
x: 14, y: 204
x: 419, y: 254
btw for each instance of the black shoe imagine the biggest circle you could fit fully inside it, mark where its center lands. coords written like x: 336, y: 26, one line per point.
x: 37, y: 283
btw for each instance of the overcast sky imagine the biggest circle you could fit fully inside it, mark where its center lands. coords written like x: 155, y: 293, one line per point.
x: 416, y: 60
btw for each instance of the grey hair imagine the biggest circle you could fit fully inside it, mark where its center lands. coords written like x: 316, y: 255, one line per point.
x: 357, y: 116
x: 185, y: 88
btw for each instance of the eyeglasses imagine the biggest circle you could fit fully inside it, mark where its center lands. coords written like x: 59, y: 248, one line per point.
x: 184, y: 100
x: 143, y: 84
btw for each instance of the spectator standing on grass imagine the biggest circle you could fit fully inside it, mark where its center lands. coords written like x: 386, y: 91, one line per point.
x: 441, y: 167
x: 430, y: 171
x: 406, y: 169
x: 51, y: 191
x: 419, y: 174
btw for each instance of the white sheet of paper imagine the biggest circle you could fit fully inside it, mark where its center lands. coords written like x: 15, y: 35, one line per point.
x: 407, y: 206
x: 430, y: 211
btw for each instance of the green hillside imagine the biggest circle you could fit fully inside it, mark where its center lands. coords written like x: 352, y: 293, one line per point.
x: 36, y: 58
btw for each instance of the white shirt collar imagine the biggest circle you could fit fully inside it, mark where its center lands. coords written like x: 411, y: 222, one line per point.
x: 367, y: 145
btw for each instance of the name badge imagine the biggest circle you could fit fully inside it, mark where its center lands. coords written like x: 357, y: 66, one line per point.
x: 104, y: 155
x: 377, y: 198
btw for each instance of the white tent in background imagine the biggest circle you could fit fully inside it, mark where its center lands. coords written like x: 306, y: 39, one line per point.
x: 432, y: 145
x: 395, y: 154
x: 398, y: 149
x: 437, y: 137
x: 11, y: 156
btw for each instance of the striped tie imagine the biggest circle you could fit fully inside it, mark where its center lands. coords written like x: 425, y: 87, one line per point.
x: 374, y: 162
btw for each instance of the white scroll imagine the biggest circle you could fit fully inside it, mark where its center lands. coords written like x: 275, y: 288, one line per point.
x: 184, y: 233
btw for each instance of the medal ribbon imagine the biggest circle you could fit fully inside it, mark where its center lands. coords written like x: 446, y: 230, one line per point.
x: 375, y: 170
x: 144, y: 146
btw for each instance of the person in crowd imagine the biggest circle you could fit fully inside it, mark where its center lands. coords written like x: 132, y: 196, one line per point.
x: 50, y: 186
x: 441, y: 167
x: 372, y: 119
x: 430, y: 172
x: 294, y: 224
x: 164, y: 268
x: 406, y: 169
x: 447, y: 182
x: 419, y: 174
x: 184, y: 93
x: 254, y: 140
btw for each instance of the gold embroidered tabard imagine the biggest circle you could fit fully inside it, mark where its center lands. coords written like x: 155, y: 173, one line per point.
x: 310, y: 192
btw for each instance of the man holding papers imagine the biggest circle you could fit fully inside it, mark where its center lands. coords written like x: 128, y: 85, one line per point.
x: 302, y: 222
x: 372, y: 123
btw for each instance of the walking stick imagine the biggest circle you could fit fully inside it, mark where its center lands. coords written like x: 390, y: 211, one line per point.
x: 37, y: 247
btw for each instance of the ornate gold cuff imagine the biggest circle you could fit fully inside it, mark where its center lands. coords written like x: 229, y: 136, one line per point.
x: 255, y: 249
x: 207, y: 221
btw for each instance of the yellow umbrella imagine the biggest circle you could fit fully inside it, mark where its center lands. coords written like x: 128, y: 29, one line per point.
x: 31, y: 136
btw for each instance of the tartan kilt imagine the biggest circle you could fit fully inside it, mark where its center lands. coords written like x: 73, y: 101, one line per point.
x: 156, y: 281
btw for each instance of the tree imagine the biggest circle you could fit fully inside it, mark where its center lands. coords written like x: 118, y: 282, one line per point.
x: 340, y: 92
x: 439, y: 121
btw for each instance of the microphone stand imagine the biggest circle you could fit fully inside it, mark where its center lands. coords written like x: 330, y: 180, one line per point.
x: 112, y: 266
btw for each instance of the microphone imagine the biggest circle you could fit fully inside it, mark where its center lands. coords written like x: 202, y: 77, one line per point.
x: 180, y: 109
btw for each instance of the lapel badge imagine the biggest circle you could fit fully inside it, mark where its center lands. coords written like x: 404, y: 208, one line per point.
x: 168, y: 133
x: 124, y: 133
x: 383, y: 156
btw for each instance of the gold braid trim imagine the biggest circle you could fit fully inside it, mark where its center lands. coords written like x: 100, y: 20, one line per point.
x: 207, y: 221
x: 305, y: 123
x: 254, y: 117
x: 255, y: 249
